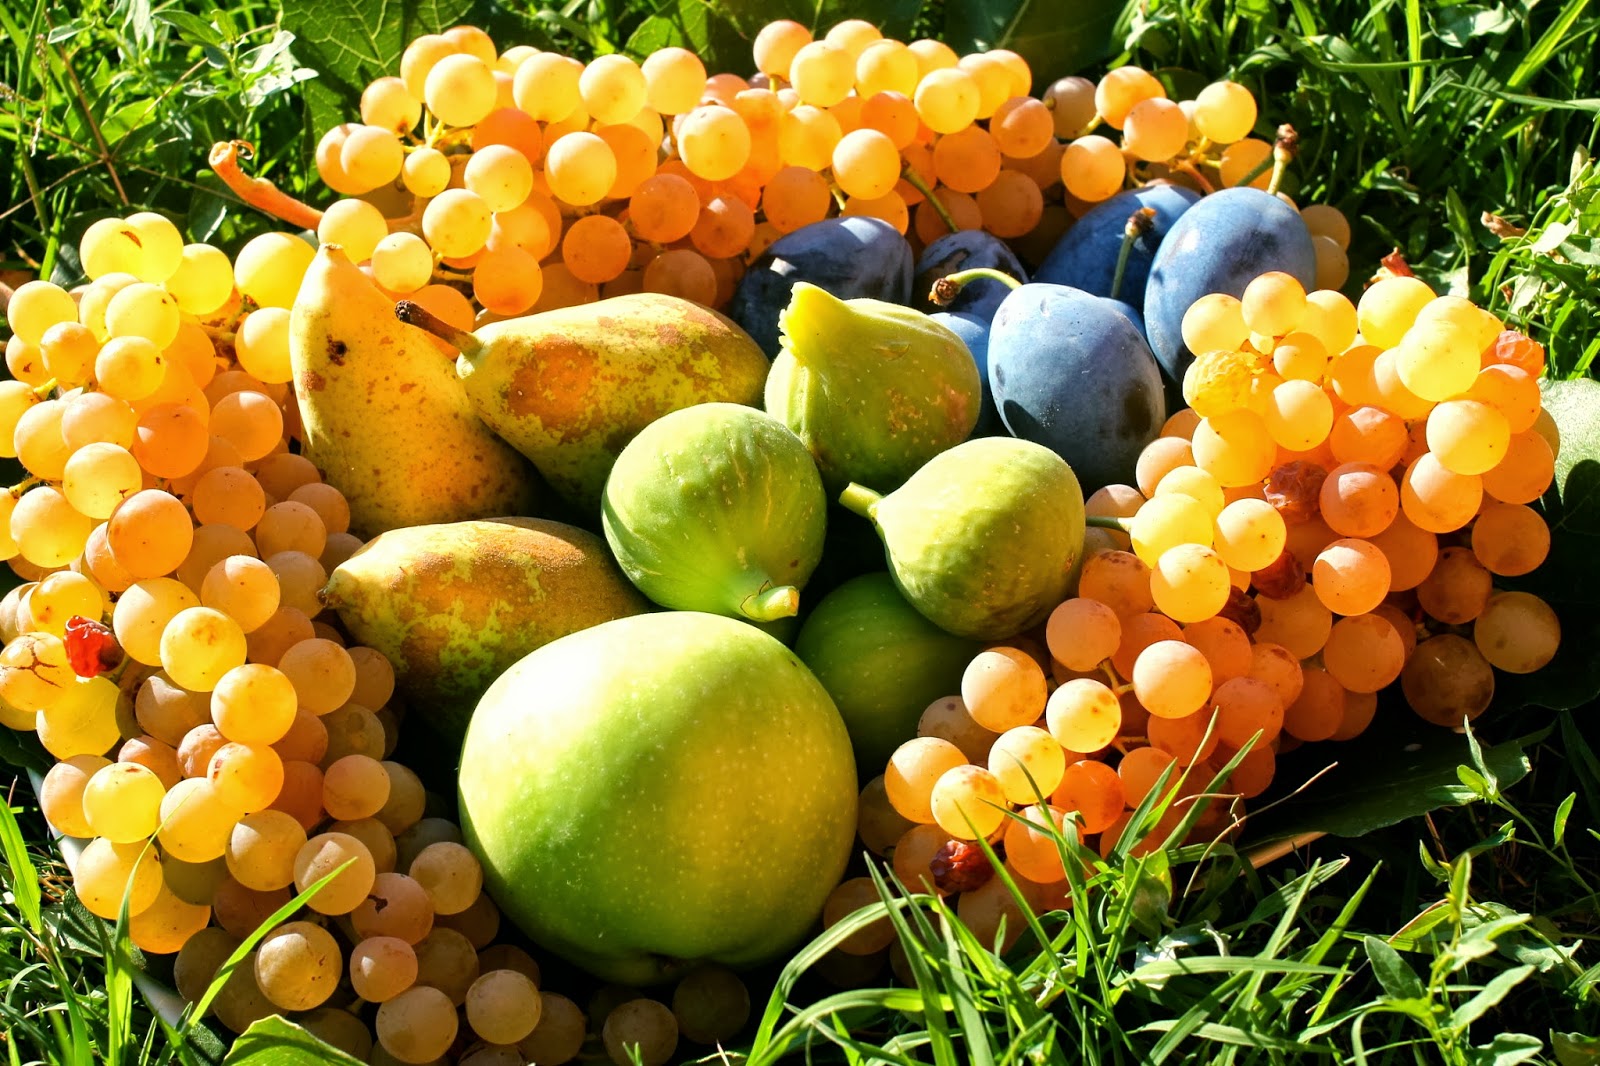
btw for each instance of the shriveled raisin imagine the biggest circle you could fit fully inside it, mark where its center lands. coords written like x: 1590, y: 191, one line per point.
x: 1241, y: 610
x: 960, y: 866
x: 1280, y: 579
x: 1295, y: 490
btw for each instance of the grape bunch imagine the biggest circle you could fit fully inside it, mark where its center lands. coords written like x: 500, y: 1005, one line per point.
x: 221, y: 745
x: 1330, y: 515
x: 485, y: 184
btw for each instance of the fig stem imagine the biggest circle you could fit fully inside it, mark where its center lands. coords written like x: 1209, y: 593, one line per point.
x: 771, y: 604
x: 915, y: 181
x: 1106, y: 521
x: 860, y: 499
x: 946, y: 288
x: 1139, y: 223
x: 414, y: 314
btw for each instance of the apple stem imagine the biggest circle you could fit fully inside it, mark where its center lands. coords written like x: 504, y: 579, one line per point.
x: 859, y: 499
x: 1105, y: 521
x: 771, y: 603
x: 414, y: 314
x: 1140, y: 222
x: 946, y: 288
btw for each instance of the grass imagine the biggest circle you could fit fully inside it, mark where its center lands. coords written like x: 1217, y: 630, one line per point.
x: 1461, y: 134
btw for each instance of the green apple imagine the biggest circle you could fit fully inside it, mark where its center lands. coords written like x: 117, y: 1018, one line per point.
x: 657, y: 791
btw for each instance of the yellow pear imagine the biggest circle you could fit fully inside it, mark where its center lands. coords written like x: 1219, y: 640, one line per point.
x: 386, y: 419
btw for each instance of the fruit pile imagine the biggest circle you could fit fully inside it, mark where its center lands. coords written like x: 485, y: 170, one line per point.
x: 265, y: 513
x: 1329, y: 515
x: 222, y: 744
x: 485, y: 184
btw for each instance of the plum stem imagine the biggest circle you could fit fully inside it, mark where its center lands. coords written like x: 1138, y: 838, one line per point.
x: 945, y: 289
x: 771, y: 603
x: 1140, y: 222
x: 1106, y: 521
x: 915, y: 181
x: 1254, y: 172
x: 414, y: 314
x: 860, y: 499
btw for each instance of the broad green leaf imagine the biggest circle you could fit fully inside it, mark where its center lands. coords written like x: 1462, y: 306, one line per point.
x: 1491, y: 994
x: 893, y: 17
x: 1575, y: 1049
x: 275, y: 1041
x: 1506, y: 1049
x: 698, y: 26
x: 1056, y: 37
x: 1397, y: 770
x: 1396, y: 976
x: 351, y: 42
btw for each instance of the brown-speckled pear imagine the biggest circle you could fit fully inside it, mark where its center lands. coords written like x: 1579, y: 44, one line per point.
x: 386, y: 419
x: 570, y: 388
x: 453, y: 605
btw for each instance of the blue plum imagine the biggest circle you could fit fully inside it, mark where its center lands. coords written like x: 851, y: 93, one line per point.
x: 974, y: 333
x: 966, y: 250
x: 850, y: 257
x: 1086, y: 257
x: 1219, y: 245
x: 1071, y: 372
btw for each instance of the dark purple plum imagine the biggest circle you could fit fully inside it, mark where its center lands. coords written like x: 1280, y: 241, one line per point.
x: 1086, y: 257
x: 974, y: 333
x: 966, y: 250
x: 850, y: 257
x: 1071, y: 372
x: 1220, y: 245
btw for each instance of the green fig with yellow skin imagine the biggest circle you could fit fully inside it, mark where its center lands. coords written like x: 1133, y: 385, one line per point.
x: 453, y: 605
x: 718, y: 508
x: 385, y: 419
x: 986, y: 539
x: 874, y: 389
x: 570, y: 388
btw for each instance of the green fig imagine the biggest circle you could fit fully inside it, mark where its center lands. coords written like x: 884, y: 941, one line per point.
x: 384, y: 418
x: 881, y: 661
x: 717, y: 508
x: 873, y: 389
x: 569, y: 388
x: 453, y: 605
x: 984, y: 540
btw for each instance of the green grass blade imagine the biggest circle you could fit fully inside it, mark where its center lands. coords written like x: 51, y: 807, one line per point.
x: 283, y: 913
x: 22, y: 876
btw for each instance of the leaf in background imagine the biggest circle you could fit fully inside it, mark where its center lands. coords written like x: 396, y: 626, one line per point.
x: 275, y: 1041
x: 893, y: 17
x: 1056, y: 37
x: 697, y: 26
x: 1399, y: 769
x: 352, y: 42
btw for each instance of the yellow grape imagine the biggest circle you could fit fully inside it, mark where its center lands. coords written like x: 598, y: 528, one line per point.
x: 580, y: 169
x: 1190, y: 583
x: 426, y: 172
x: 947, y: 100
x: 1273, y: 304
x: 1155, y: 130
x: 1509, y: 539
x: 1224, y: 112
x: 253, y: 703
x: 714, y: 142
x: 388, y: 103
x: 262, y: 341
x: 122, y: 802
x: 456, y: 222
x: 1517, y: 632
x: 822, y: 73
x: 1167, y: 521
x: 47, y: 530
x: 1196, y: 484
x: 1082, y: 633
x: 1028, y: 762
x: 775, y: 46
x: 36, y: 306
x: 61, y: 793
x: 107, y: 873
x: 1171, y: 678
x: 613, y: 89
x: 1003, y: 688
x: 460, y: 90
x: 1120, y: 89
x: 886, y: 66
x: 912, y: 772
x: 1083, y: 715
x: 1350, y: 577
x: 1092, y: 168
x: 1234, y: 447
x: 1299, y: 415
x: 1468, y: 436
x: 354, y: 225
x: 268, y: 268
x: 674, y: 78
x: 100, y: 476
x: 968, y: 802
x: 57, y: 597
x: 246, y: 777
x: 866, y: 164
x: 1364, y: 653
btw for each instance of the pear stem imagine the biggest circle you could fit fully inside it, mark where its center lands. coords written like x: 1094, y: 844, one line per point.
x: 860, y: 499
x: 1139, y: 223
x: 771, y: 604
x: 1106, y: 521
x: 946, y: 288
x: 414, y: 314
